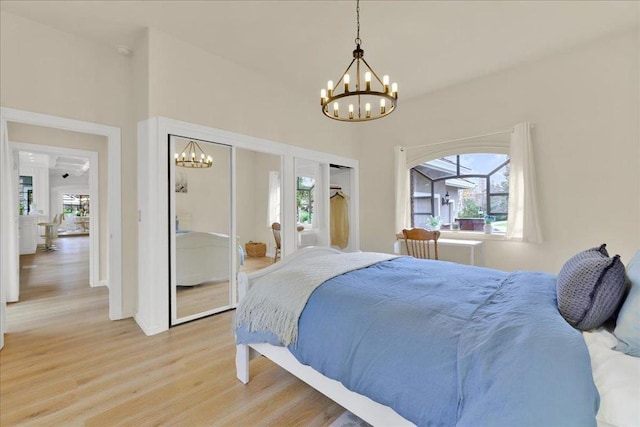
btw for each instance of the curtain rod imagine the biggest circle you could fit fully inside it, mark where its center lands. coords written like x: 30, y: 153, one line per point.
x: 459, y: 139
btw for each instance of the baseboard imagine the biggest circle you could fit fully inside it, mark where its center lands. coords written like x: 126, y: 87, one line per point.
x: 148, y: 329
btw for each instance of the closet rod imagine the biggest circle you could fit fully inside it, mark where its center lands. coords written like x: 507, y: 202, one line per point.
x: 459, y: 139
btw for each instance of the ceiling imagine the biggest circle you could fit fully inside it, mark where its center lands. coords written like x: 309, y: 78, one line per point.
x: 422, y: 45
x: 56, y: 163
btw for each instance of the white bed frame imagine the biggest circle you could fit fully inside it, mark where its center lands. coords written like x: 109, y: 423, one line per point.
x: 372, y: 412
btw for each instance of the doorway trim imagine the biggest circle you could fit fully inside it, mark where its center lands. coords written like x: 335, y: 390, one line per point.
x: 94, y: 194
x: 114, y: 191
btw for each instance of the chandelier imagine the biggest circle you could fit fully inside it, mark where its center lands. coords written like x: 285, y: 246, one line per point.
x: 373, y: 100
x: 193, y: 157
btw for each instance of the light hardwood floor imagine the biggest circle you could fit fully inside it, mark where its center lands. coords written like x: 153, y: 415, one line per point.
x: 65, y: 364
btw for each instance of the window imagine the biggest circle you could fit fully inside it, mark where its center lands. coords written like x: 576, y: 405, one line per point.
x: 304, y: 200
x: 468, y: 189
x: 26, y: 194
x: 75, y: 204
x: 422, y: 206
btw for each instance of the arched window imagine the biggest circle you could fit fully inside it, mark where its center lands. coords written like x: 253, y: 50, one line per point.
x: 464, y: 190
x: 519, y: 196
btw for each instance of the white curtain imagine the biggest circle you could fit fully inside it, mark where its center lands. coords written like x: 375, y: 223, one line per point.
x: 523, y: 222
x: 402, y: 189
x: 9, y: 261
x: 274, y: 197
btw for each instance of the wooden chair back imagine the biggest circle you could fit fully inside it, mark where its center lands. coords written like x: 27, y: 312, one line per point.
x: 417, y: 242
x: 275, y: 227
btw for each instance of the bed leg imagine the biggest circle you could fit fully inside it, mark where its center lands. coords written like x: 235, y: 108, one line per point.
x: 242, y: 363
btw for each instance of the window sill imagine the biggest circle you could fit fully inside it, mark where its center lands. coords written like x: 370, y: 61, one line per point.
x: 470, y: 235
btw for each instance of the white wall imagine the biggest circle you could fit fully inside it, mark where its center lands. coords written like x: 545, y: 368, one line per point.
x: 207, y: 200
x: 48, y: 71
x: 584, y: 103
x: 190, y: 84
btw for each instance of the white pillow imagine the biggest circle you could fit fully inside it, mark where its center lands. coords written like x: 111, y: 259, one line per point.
x: 617, y: 377
x: 628, y: 324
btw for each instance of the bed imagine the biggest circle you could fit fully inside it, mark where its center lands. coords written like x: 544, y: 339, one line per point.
x: 393, y: 358
x: 203, y: 257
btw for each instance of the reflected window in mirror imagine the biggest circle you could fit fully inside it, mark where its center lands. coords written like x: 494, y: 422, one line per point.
x: 305, y: 200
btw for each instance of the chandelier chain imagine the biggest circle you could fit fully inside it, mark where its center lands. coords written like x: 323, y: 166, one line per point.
x: 358, y: 40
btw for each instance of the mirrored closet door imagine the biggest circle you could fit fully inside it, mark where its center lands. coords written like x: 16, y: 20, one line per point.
x: 258, y: 189
x: 200, y: 243
x: 310, y: 203
x: 341, y: 213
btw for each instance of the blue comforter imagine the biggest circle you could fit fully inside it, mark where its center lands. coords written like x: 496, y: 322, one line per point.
x: 445, y: 344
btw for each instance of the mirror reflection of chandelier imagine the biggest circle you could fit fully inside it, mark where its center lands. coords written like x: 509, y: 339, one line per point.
x: 193, y: 156
x: 369, y: 101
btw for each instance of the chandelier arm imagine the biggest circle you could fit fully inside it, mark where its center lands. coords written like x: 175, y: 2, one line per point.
x: 198, y: 145
x: 190, y: 148
x: 358, y: 87
x: 372, y: 71
x: 342, y: 76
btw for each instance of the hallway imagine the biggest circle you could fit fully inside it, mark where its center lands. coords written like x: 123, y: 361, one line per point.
x: 45, y: 273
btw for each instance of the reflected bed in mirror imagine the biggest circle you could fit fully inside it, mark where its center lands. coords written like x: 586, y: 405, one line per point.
x: 203, y: 257
x: 202, y: 270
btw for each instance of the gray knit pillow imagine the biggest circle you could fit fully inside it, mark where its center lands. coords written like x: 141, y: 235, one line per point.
x: 590, y: 287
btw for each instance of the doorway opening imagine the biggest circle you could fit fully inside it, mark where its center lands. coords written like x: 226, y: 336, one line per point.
x: 9, y: 260
x: 48, y: 173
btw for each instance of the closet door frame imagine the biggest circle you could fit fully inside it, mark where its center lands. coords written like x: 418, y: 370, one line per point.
x: 173, y: 300
x: 153, y: 205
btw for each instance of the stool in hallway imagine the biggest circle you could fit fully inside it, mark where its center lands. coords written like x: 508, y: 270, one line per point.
x: 49, y: 234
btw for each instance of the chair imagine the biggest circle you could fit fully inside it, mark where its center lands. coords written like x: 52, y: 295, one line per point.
x: 58, y: 223
x: 70, y: 222
x: 417, y: 242
x: 275, y: 227
x: 49, y: 234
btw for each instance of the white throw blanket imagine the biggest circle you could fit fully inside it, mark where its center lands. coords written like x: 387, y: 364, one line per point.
x: 274, y: 303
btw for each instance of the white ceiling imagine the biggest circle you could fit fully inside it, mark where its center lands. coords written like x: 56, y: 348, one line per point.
x: 56, y: 163
x: 423, y: 45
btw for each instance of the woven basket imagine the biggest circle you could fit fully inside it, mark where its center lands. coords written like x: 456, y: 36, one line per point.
x: 256, y: 249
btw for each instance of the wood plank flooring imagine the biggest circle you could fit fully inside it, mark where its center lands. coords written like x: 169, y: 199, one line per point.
x: 65, y: 364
